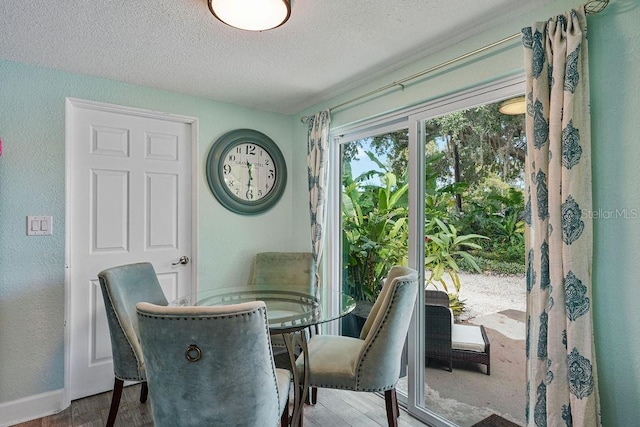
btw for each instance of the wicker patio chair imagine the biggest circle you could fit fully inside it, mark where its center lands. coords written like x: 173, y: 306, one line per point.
x: 448, y: 341
x: 435, y: 297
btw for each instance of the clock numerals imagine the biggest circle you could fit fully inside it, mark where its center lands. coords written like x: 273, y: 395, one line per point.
x: 247, y: 149
x: 249, y: 172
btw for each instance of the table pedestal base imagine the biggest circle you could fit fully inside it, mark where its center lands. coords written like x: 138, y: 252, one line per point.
x: 292, y: 341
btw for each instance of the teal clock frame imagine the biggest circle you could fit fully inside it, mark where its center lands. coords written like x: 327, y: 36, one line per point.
x: 215, y: 176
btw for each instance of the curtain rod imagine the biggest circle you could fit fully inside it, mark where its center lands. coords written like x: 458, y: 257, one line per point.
x: 591, y: 7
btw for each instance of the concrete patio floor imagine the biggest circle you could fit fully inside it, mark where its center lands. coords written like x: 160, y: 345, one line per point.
x: 467, y: 395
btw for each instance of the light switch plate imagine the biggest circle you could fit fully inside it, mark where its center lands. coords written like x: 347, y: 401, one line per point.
x: 39, y: 225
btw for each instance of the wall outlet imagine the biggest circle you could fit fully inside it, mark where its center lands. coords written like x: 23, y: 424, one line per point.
x: 39, y: 225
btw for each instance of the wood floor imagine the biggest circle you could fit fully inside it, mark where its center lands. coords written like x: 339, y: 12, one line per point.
x: 335, y: 408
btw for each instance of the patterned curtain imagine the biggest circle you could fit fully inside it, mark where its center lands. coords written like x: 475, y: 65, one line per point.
x: 561, y: 366
x: 318, y: 168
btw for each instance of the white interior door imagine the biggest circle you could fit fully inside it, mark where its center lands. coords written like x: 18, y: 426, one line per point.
x: 130, y: 198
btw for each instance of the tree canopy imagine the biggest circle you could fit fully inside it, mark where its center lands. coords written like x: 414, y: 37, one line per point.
x: 477, y: 144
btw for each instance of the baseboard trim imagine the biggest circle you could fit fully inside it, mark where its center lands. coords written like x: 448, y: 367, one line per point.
x: 31, y: 407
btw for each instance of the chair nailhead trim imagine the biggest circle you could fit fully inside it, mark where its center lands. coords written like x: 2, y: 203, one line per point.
x: 394, y: 297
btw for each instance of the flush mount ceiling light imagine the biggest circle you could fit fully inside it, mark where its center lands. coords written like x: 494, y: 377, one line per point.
x: 513, y: 106
x: 252, y: 15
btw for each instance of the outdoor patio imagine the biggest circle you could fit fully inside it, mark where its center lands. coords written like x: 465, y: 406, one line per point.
x: 467, y: 395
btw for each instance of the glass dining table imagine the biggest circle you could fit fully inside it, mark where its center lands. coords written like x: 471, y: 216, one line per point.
x: 291, y: 314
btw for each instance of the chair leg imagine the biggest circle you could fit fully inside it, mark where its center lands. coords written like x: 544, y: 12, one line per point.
x: 115, y: 402
x: 391, y: 402
x: 301, y: 419
x: 144, y: 392
x: 314, y: 390
x: 312, y: 396
x: 284, y: 418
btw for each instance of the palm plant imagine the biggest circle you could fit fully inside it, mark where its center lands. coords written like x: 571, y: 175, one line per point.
x: 374, y: 223
x: 443, y: 246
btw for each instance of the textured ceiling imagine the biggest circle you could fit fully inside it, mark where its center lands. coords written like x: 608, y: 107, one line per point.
x: 327, y: 46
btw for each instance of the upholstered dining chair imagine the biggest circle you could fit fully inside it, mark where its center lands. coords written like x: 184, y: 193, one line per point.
x: 122, y: 288
x: 212, y: 365
x: 284, y: 270
x: 372, y: 362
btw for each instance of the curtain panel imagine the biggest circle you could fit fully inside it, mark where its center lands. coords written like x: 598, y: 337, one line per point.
x: 561, y: 366
x: 318, y: 169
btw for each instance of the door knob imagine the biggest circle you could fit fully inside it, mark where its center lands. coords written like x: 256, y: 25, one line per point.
x: 183, y: 260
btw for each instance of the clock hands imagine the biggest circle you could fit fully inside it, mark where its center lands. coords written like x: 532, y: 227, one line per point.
x: 246, y: 171
x: 249, y: 186
x: 250, y: 167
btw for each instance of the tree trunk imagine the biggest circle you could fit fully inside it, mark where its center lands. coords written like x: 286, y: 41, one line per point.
x: 456, y: 174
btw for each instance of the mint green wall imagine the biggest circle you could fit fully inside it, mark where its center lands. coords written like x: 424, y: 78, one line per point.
x: 32, y: 173
x: 614, y: 49
x: 32, y: 182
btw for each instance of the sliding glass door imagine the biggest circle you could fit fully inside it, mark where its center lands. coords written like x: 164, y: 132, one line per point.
x: 396, y: 199
x: 381, y: 225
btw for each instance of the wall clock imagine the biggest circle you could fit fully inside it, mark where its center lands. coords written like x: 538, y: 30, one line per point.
x: 246, y: 171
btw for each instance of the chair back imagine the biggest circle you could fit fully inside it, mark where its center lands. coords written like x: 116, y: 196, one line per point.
x: 285, y: 270
x: 209, y: 365
x: 385, y: 331
x: 395, y: 272
x: 438, y: 321
x: 122, y: 288
x: 436, y: 297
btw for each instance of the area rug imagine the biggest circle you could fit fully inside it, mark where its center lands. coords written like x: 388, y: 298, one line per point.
x: 495, y: 420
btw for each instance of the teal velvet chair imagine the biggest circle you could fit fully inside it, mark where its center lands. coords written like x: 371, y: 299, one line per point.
x: 372, y: 362
x: 212, y: 366
x: 284, y: 270
x: 291, y: 271
x: 122, y: 288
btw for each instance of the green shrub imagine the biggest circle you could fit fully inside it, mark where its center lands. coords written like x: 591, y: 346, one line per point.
x: 498, y: 214
x: 495, y: 266
x: 374, y: 224
x: 444, y: 249
x: 456, y: 305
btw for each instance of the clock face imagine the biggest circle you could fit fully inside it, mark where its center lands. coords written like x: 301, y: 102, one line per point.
x: 246, y: 171
x: 249, y: 171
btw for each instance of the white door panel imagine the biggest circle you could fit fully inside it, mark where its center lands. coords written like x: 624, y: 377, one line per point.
x: 129, y: 199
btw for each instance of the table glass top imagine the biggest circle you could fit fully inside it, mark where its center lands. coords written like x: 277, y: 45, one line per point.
x: 286, y: 310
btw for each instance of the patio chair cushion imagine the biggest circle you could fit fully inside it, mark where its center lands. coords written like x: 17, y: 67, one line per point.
x: 467, y: 337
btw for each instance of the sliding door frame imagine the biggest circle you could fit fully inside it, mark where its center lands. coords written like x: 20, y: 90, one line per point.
x: 412, y: 118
